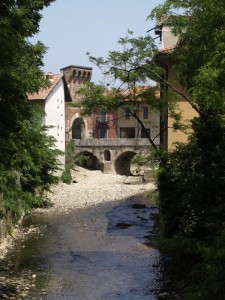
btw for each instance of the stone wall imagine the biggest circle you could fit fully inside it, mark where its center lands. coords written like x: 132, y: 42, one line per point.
x: 121, y: 151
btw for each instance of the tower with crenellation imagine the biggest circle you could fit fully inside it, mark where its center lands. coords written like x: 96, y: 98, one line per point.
x: 76, y: 126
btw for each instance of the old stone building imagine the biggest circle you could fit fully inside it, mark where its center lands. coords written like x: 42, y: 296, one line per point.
x: 76, y: 127
x: 109, y: 139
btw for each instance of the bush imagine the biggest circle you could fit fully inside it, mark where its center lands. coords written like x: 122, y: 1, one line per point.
x: 192, y: 210
x: 66, y: 175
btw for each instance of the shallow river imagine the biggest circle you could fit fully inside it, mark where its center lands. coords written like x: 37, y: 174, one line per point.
x: 96, y: 253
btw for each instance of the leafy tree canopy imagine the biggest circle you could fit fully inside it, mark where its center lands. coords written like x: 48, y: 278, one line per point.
x: 20, y: 60
x: 27, y: 155
x: 192, y: 189
x: 128, y: 73
x: 200, y: 50
x: 124, y: 67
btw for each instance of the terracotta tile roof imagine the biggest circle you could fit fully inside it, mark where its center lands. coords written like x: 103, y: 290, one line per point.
x: 43, y: 93
x: 167, y: 50
x: 138, y: 91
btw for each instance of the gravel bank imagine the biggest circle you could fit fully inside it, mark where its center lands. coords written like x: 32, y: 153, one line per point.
x: 89, y: 189
x: 92, y: 187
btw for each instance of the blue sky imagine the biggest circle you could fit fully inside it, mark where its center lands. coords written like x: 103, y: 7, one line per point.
x: 70, y: 28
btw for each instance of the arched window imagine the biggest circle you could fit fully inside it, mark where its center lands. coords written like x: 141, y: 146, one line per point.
x: 77, y: 128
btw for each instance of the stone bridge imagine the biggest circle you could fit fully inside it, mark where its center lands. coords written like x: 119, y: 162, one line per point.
x: 111, y: 155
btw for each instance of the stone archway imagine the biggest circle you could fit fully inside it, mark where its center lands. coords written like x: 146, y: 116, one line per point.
x: 123, y: 163
x: 78, y: 128
x: 88, y: 160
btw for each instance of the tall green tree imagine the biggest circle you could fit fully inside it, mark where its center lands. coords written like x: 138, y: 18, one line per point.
x: 192, y: 190
x: 129, y: 74
x: 27, y: 155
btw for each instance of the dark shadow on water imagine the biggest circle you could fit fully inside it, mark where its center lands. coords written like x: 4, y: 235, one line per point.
x: 131, y: 217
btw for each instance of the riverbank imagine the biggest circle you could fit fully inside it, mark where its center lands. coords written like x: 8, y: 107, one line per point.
x: 100, y: 213
x: 88, y: 189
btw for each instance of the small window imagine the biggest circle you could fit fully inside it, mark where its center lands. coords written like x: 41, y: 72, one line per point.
x: 145, y: 134
x: 127, y: 132
x: 107, y: 155
x: 103, y: 132
x: 145, y: 112
x: 103, y: 116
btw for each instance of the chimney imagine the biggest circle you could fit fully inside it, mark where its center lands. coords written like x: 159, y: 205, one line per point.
x: 49, y: 76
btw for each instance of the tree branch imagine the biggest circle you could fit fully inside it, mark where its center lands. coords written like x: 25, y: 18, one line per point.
x: 171, y: 86
x: 166, y: 82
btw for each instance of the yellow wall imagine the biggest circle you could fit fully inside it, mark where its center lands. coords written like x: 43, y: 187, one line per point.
x: 183, y: 106
x: 187, y: 114
x: 151, y: 123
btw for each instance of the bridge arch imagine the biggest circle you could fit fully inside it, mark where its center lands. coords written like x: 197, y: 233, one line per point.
x: 88, y: 160
x: 122, y: 163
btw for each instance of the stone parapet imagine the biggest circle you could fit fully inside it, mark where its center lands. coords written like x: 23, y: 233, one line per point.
x: 113, y: 142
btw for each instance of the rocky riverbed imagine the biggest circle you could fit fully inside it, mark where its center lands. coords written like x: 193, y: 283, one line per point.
x: 89, y: 190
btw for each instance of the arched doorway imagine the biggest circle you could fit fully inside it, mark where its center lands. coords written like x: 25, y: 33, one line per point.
x: 123, y: 163
x: 77, y: 128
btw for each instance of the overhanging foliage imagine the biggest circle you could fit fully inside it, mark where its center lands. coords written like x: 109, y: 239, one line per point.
x: 28, y: 158
x: 192, y: 189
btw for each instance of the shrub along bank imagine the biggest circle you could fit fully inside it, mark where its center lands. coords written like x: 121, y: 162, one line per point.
x: 192, y: 187
x: 28, y: 158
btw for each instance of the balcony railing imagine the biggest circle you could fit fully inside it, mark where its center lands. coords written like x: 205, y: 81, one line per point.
x: 102, y: 119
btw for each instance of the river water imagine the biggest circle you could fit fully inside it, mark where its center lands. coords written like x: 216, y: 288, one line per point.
x: 97, y: 253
